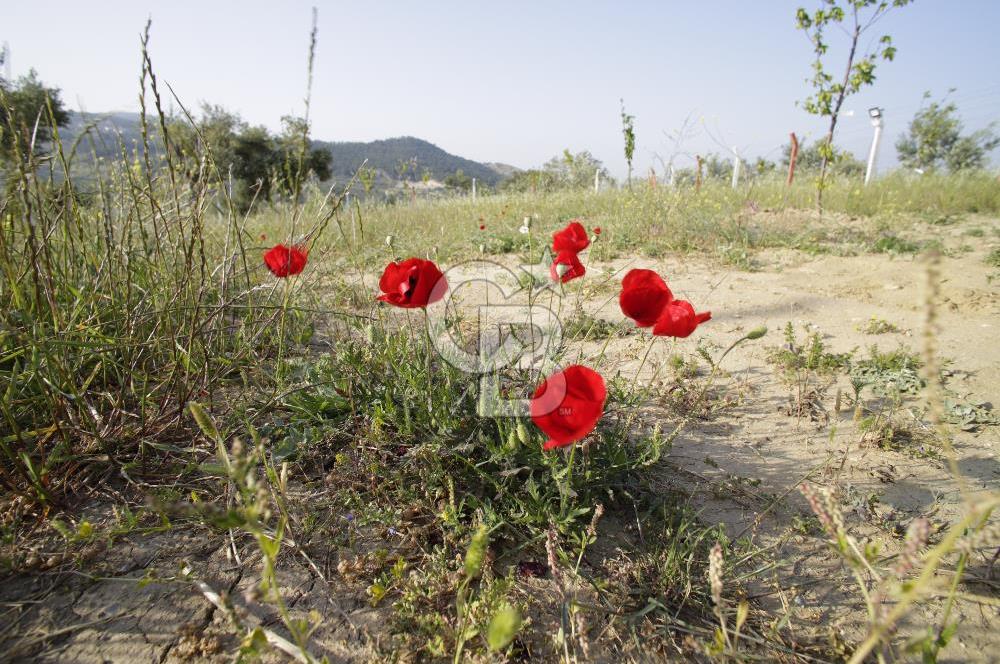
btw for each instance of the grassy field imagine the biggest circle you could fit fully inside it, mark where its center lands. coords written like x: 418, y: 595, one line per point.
x: 203, y: 461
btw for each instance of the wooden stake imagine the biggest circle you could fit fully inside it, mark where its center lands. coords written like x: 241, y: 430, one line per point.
x: 792, y: 157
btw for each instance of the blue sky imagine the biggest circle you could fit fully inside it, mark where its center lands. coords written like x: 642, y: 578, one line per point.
x: 514, y: 82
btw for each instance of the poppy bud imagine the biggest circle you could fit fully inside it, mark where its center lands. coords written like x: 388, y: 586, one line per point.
x: 757, y: 332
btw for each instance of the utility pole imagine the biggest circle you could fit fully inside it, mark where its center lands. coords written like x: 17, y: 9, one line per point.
x: 875, y: 113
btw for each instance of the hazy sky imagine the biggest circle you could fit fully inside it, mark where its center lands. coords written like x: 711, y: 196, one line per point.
x: 513, y: 81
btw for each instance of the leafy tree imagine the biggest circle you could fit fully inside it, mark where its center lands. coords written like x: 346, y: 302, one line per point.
x: 810, y: 159
x: 24, y: 113
x: 277, y: 164
x: 713, y: 167
x: 567, y: 171
x: 533, y: 179
x: 934, y: 140
x: 628, y: 132
x: 216, y: 130
x: 860, y: 16
x: 459, y: 180
x: 575, y: 171
x: 296, y: 156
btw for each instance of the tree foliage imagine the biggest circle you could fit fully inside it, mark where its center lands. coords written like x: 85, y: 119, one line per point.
x: 810, y: 159
x: 567, y: 171
x: 854, y: 18
x: 28, y: 111
x: 459, y: 180
x: 262, y: 164
x: 628, y: 133
x: 934, y: 140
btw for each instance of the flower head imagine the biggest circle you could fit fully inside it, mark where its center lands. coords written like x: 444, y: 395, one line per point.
x: 643, y: 297
x: 412, y: 283
x: 566, y: 267
x: 572, y: 238
x: 568, y: 405
x: 285, y: 261
x: 646, y: 299
x: 678, y: 319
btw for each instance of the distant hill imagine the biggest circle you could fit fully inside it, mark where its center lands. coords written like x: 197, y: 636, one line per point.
x: 117, y: 128
x: 386, y: 156
x: 110, y: 131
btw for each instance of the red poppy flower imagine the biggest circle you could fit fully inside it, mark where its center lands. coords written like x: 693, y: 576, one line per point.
x: 678, y: 319
x: 482, y: 227
x: 568, y: 405
x: 412, y: 283
x: 597, y: 230
x: 285, y: 261
x: 566, y: 267
x: 644, y: 295
x: 572, y: 238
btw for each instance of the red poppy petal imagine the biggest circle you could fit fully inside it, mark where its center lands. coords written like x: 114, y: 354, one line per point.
x: 412, y: 283
x: 572, y: 238
x: 678, y: 319
x: 568, y: 405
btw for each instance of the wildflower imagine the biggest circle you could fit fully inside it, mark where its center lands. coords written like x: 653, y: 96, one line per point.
x: 643, y: 297
x: 646, y: 299
x: 597, y: 230
x: 567, y: 406
x: 678, y: 319
x: 566, y: 267
x: 285, y: 261
x: 572, y: 238
x: 412, y: 283
x: 524, y: 230
x: 482, y: 227
x: 388, y: 241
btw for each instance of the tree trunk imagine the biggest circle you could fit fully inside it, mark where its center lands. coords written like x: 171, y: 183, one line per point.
x: 836, y: 112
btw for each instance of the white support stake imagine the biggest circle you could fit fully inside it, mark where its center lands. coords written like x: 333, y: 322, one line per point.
x: 873, y: 153
x: 473, y: 188
x: 597, y: 181
x: 736, y: 168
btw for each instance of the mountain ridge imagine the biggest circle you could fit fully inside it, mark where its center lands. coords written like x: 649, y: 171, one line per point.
x: 397, y: 158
